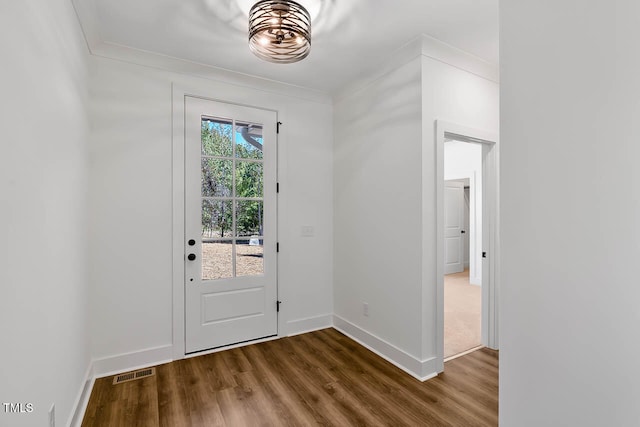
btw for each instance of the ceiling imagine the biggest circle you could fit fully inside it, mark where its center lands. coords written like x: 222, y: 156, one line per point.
x: 350, y: 38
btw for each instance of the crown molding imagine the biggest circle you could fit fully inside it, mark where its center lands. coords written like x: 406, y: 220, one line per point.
x: 423, y: 46
x: 443, y: 52
x: 420, y: 46
x: 176, y: 65
x: 87, y: 14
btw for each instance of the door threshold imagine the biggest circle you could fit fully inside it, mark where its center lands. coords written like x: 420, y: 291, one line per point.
x: 231, y: 346
x: 464, y: 353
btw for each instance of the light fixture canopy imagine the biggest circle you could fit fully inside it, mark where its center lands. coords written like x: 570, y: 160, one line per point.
x: 279, y: 31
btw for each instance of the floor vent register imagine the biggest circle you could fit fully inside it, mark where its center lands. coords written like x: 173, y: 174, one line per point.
x: 134, y: 375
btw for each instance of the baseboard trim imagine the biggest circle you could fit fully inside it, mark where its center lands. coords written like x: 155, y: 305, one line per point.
x: 309, y: 324
x: 80, y: 405
x: 422, y: 370
x: 131, y: 361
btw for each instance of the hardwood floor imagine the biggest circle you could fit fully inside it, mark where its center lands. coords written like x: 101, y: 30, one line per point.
x: 319, y: 378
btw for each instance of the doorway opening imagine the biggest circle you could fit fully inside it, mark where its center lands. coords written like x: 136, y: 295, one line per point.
x: 467, y: 200
x: 462, y: 246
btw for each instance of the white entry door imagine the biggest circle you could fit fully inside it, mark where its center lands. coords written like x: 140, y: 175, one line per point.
x: 453, y: 227
x: 230, y: 224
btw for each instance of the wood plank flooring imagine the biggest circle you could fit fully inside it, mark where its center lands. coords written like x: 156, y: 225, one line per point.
x: 319, y: 378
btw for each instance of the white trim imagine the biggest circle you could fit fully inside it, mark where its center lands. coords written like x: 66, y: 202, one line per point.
x: 478, y: 134
x: 423, y: 46
x: 178, y: 233
x: 130, y: 361
x: 88, y: 21
x: 491, y: 228
x: 87, y: 14
x: 451, y: 55
x: 157, y: 61
x: 398, y: 59
x: 178, y: 94
x: 420, y: 369
x: 80, y: 405
x: 490, y: 233
x: 309, y: 324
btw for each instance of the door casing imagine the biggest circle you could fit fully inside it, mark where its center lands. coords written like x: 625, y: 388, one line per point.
x: 251, y: 300
x: 179, y: 93
x: 490, y: 231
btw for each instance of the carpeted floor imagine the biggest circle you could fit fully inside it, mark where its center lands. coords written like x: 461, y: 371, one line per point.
x: 462, y: 314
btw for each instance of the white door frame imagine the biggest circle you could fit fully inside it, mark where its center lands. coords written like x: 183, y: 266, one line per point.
x: 490, y: 231
x: 178, y: 215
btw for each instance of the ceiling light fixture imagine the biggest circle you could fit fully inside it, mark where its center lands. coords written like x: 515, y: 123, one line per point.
x: 279, y: 31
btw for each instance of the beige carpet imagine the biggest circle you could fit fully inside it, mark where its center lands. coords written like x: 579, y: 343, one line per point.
x: 462, y: 313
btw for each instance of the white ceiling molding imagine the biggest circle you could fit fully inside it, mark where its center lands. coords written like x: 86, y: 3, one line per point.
x: 87, y: 13
x: 443, y: 52
x: 402, y: 56
x: 208, y: 38
x: 423, y: 45
x: 181, y: 66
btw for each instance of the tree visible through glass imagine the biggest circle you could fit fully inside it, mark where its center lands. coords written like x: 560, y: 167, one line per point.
x: 232, y: 190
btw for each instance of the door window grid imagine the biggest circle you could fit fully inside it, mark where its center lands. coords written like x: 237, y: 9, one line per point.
x: 235, y: 158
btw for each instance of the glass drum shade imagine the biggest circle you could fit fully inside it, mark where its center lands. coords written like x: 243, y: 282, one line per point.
x: 279, y: 31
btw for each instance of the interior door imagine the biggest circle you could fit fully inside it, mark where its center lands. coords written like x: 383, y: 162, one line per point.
x: 230, y: 224
x: 453, y: 227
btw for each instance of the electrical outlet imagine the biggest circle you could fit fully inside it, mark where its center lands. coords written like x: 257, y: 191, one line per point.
x: 365, y: 308
x: 52, y: 416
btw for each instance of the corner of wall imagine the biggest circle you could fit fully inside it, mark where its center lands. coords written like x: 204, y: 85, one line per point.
x: 309, y: 324
x: 130, y: 361
x: 87, y: 14
x: 422, y: 370
x: 80, y: 405
x: 402, y: 56
x: 443, y: 52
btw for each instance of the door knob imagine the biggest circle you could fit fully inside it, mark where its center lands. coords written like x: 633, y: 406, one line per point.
x: 191, y: 257
x: 192, y: 242
x: 462, y: 231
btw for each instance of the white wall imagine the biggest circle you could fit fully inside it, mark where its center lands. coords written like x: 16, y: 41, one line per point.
x: 385, y: 191
x: 377, y: 184
x: 570, y: 230
x: 456, y: 89
x: 464, y: 160
x: 43, y: 186
x: 131, y: 205
x: 461, y: 159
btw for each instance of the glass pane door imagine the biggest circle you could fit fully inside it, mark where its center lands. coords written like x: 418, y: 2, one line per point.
x: 232, y: 198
